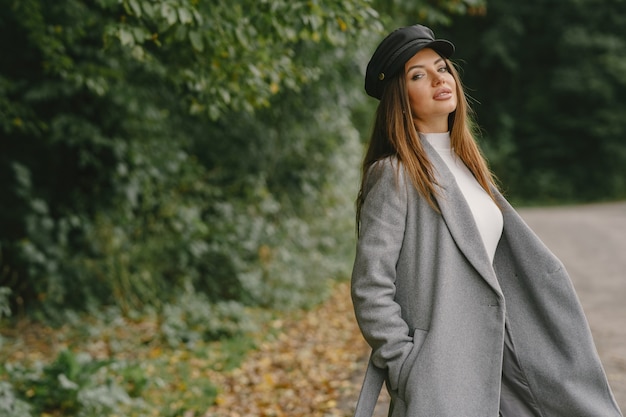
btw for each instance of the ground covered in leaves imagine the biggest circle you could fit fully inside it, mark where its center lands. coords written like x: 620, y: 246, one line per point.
x: 303, y: 363
x: 311, y: 366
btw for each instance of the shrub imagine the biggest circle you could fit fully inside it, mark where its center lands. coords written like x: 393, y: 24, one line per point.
x: 10, y: 404
x: 73, y: 385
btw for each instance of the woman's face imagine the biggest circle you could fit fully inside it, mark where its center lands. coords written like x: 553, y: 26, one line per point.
x: 431, y: 89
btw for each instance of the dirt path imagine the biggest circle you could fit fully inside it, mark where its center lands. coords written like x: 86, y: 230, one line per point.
x: 316, y: 364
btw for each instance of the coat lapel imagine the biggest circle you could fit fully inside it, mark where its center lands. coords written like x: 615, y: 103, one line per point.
x: 460, y: 221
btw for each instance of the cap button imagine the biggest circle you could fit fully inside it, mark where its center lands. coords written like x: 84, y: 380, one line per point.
x: 381, y: 76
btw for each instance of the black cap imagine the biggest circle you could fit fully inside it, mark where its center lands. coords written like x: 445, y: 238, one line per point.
x: 395, y: 50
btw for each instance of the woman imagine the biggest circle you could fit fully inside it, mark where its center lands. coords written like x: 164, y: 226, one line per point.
x: 468, y: 314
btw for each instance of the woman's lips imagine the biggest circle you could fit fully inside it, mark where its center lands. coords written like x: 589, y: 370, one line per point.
x: 442, y: 94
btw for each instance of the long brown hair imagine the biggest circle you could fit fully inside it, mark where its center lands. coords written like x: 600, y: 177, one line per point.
x: 394, y: 134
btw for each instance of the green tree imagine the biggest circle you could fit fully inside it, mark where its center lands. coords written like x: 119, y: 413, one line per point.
x: 124, y: 173
x: 165, y: 147
x: 433, y: 13
x: 548, y: 80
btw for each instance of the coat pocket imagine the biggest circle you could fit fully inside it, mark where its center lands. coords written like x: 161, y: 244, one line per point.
x: 405, y: 377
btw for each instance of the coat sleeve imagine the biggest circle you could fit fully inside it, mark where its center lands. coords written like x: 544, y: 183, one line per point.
x: 382, y: 225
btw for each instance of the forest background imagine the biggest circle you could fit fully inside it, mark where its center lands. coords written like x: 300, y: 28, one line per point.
x: 194, y: 164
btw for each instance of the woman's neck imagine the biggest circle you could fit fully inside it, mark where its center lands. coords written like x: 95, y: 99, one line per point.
x: 432, y: 126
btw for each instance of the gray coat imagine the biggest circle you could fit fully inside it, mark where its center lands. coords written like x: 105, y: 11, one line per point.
x: 433, y: 308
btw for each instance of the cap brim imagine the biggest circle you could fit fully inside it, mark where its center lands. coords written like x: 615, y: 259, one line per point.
x: 442, y: 46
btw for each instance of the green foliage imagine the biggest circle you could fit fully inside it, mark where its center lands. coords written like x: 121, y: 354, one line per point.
x: 5, y: 308
x: 235, y: 56
x: 10, y: 404
x: 167, y: 150
x: 194, y: 318
x: 549, y: 82
x: 73, y: 385
x: 433, y: 13
x: 123, y: 190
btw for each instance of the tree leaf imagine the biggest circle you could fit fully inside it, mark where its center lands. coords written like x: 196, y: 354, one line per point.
x: 184, y: 16
x: 169, y: 13
x: 126, y: 36
x: 196, y: 40
x: 134, y: 5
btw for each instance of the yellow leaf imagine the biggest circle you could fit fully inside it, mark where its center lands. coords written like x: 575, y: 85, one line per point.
x: 155, y: 352
x: 269, y: 380
x: 342, y: 25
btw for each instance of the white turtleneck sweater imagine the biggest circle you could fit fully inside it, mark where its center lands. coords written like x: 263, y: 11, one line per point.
x: 486, y: 213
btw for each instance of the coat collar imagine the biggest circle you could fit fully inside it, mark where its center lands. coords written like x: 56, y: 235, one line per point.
x: 458, y: 217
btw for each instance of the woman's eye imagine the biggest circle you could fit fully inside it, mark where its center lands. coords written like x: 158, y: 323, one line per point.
x: 417, y: 76
x: 443, y: 69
